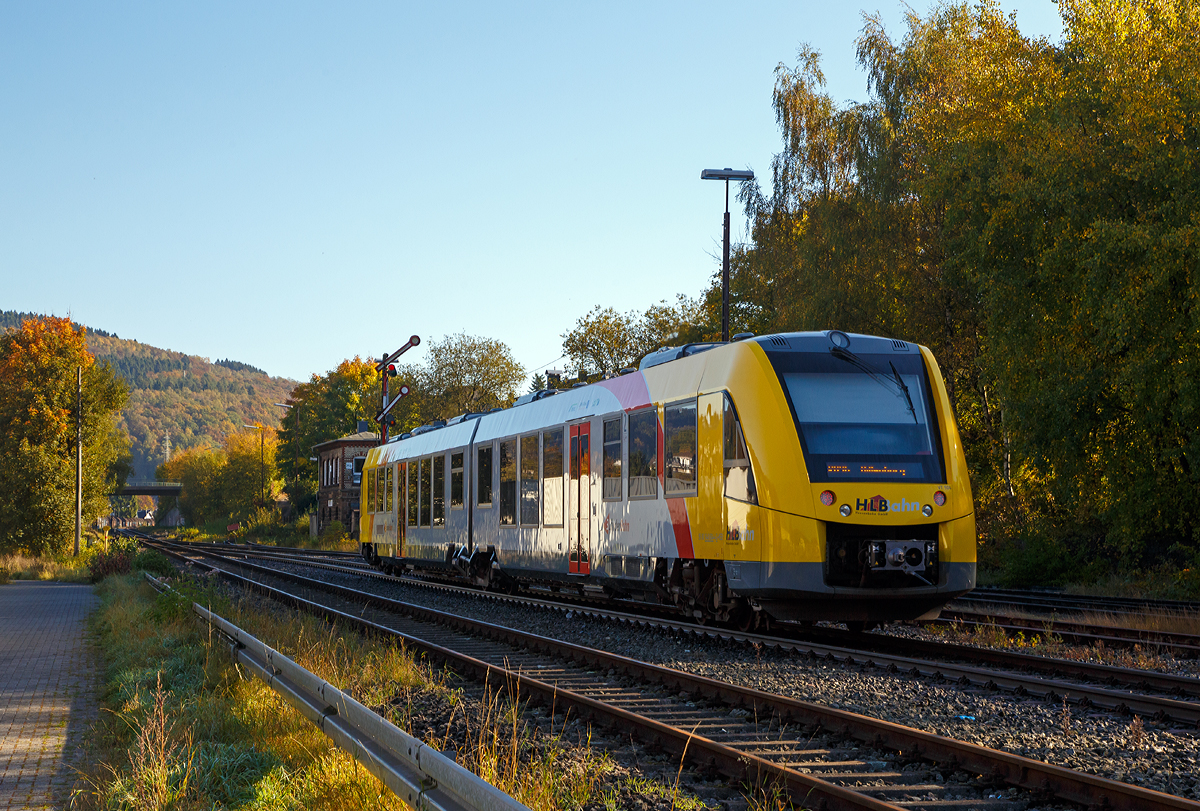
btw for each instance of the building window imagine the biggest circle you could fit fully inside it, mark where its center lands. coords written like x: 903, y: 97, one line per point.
x: 552, y: 477
x: 643, y: 454
x: 439, y: 490
x: 412, y: 493
x: 679, y: 448
x: 359, y: 461
x: 456, y: 481
x: 529, y: 481
x: 508, y: 482
x: 483, y: 477
x: 426, y: 481
x: 612, y: 460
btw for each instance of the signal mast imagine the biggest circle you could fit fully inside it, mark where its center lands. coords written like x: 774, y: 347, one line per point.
x: 387, y: 368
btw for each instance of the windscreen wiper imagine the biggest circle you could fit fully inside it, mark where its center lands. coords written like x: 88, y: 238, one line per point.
x: 904, y: 388
x: 894, y: 384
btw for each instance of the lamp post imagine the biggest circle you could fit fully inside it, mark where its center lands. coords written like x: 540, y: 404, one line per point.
x: 262, y: 463
x: 727, y: 175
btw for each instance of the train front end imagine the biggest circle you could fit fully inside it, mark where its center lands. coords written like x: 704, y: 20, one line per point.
x: 867, y: 515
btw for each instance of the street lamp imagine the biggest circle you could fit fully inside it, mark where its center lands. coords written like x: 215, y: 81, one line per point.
x: 727, y: 175
x: 262, y: 463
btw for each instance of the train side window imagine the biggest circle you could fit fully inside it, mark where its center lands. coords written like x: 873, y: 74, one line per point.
x: 412, y: 493
x: 552, y: 477
x: 368, y: 500
x: 483, y: 473
x: 612, y: 460
x: 739, y: 476
x: 643, y: 454
x: 508, y: 482
x: 529, y: 481
x: 679, y: 448
x: 439, y: 490
x: 387, y: 490
x: 377, y: 489
x: 426, y: 481
x: 456, y: 481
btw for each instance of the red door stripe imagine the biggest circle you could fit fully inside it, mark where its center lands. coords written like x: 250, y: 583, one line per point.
x: 683, y: 530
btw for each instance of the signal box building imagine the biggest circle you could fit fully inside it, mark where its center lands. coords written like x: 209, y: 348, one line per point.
x: 339, y: 476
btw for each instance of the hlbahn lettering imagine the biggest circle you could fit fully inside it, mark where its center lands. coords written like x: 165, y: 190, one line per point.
x: 879, y: 504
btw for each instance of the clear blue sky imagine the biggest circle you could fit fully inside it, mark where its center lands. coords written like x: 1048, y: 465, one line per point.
x: 291, y: 184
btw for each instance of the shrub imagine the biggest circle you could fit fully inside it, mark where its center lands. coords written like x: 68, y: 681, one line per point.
x: 154, y: 562
x: 334, y: 531
x: 4, y: 575
x: 119, y: 560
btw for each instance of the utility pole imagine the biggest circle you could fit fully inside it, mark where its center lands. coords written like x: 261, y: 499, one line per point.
x: 78, y: 456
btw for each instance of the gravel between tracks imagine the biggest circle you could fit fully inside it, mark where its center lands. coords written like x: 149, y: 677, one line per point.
x: 1100, y: 743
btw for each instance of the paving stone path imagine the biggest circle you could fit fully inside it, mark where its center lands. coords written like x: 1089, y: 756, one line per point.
x: 47, y: 690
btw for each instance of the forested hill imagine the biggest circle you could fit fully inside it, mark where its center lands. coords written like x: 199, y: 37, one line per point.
x: 185, y: 399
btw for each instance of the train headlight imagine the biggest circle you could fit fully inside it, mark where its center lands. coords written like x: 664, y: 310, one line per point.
x: 939, y: 498
x: 827, y: 498
x: 927, y: 510
x: 845, y: 510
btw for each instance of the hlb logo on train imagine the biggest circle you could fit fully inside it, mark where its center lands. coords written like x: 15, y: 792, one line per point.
x: 879, y: 504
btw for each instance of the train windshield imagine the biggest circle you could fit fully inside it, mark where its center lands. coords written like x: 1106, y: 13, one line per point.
x: 862, y: 417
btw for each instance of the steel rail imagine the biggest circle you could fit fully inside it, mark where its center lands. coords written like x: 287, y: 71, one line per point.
x: 1113, y: 636
x: 884, y: 648
x: 1138, y: 605
x: 1015, y: 770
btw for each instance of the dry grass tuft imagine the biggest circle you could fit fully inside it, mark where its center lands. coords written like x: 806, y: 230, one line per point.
x: 28, y: 567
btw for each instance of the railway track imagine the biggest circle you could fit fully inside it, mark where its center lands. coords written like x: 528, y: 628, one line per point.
x: 1051, y: 601
x: 1157, y: 696
x: 822, y: 757
x: 1182, y: 645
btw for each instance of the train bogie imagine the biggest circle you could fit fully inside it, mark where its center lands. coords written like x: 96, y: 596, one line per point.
x: 803, y: 476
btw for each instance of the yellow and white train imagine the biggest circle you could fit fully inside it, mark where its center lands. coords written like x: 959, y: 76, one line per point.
x: 801, y: 476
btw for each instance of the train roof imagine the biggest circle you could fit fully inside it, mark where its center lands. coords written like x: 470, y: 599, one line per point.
x: 539, y: 409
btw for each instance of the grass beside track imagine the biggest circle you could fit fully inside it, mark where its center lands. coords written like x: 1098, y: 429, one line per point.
x: 185, y: 730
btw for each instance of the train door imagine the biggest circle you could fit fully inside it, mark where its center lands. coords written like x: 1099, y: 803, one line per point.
x: 579, y: 561
x: 401, y: 506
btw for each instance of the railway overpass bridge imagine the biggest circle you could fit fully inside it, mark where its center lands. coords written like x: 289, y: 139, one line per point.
x: 135, y: 487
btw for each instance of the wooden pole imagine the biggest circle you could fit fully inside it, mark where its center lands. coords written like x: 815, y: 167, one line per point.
x: 78, y: 456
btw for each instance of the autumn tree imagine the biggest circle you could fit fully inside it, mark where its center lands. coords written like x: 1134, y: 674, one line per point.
x: 38, y: 363
x: 1026, y: 209
x: 248, y: 478
x: 199, y: 471
x: 327, y: 407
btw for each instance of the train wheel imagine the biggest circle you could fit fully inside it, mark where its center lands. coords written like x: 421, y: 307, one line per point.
x: 743, y: 618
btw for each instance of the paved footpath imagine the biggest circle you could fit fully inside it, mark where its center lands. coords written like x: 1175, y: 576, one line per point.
x: 47, y: 690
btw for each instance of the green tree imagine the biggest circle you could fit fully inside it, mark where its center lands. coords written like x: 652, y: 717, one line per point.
x: 38, y: 363
x: 605, y: 341
x: 538, y: 383
x: 465, y: 373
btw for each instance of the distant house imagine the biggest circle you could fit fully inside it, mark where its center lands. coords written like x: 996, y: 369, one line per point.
x: 339, y: 476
